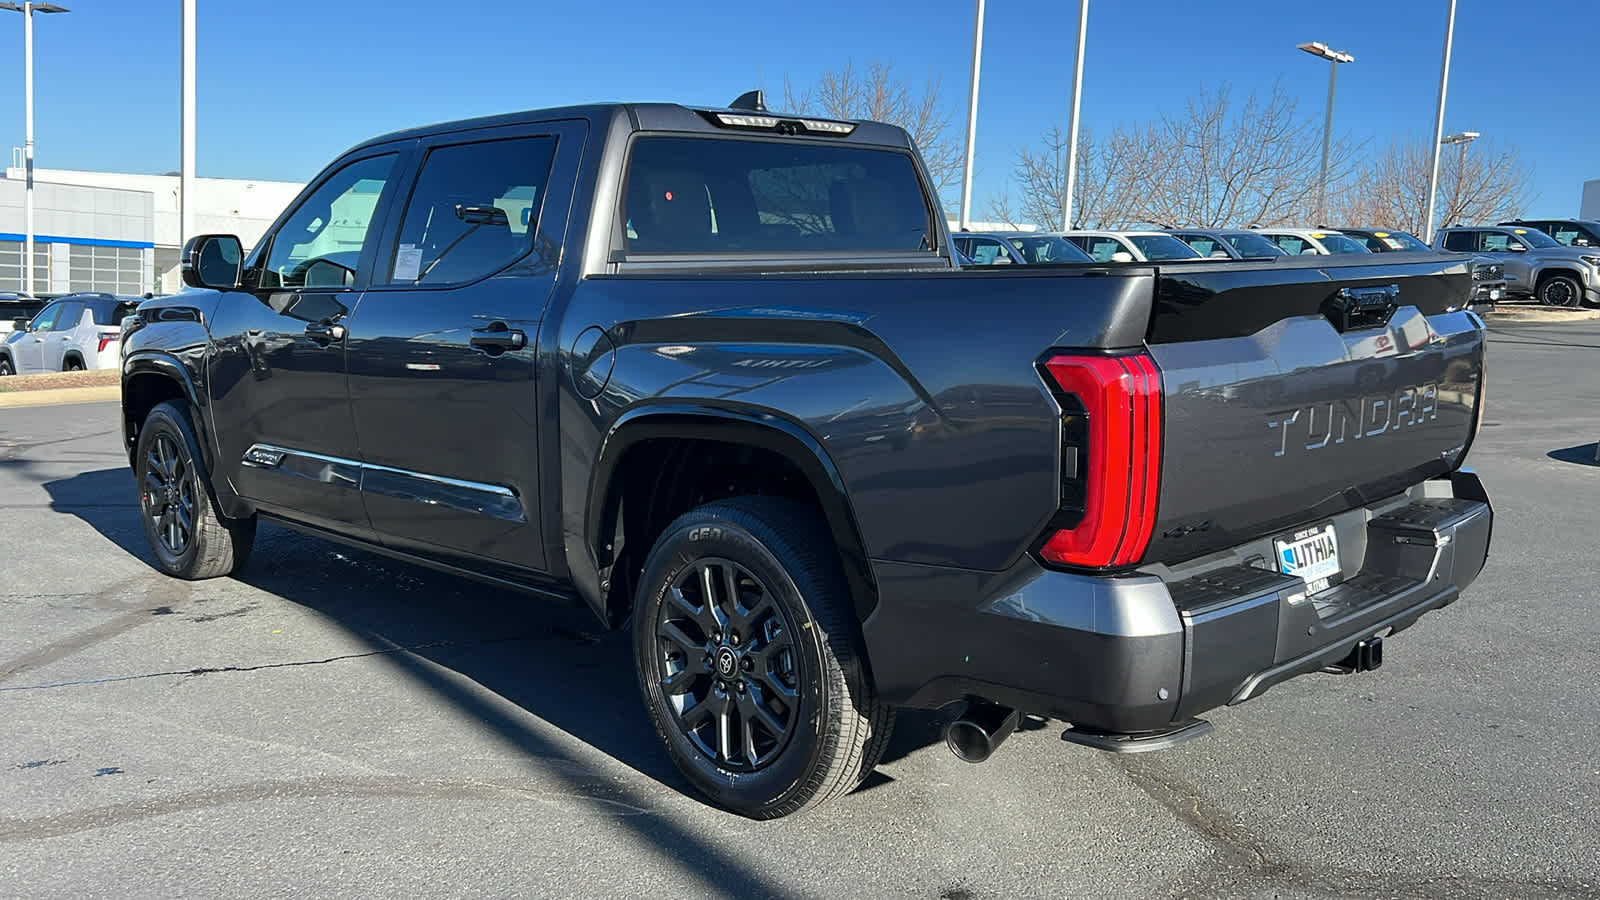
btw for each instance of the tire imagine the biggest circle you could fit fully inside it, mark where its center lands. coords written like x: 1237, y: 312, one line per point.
x: 1560, y: 290
x: 6, y: 368
x: 173, y: 486
x: 798, y: 659
x: 73, y: 365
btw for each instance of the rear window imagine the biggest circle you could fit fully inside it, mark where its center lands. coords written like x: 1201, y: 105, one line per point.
x: 1162, y: 246
x: 110, y: 312
x: 719, y: 195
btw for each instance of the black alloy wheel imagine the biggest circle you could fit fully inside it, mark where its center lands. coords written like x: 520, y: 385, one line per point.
x: 731, y: 672
x: 167, y: 495
x: 1560, y: 290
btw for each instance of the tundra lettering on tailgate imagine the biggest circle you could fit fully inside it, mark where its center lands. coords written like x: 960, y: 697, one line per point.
x: 1322, y: 424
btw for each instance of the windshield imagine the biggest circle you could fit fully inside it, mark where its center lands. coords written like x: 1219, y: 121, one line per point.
x: 1162, y: 246
x: 1339, y: 243
x: 1253, y: 245
x: 1047, y: 249
x: 1535, y: 238
x: 1387, y: 241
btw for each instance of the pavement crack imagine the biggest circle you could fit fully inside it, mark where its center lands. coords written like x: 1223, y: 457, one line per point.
x: 290, y: 664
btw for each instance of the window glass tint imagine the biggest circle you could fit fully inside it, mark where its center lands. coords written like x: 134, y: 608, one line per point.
x: 474, y: 211
x: 45, y: 318
x: 320, y: 243
x: 1203, y: 245
x: 1293, y: 245
x: 1461, y: 241
x: 110, y: 312
x: 1495, y: 240
x: 1339, y: 243
x: 1252, y: 245
x: 1162, y: 246
x: 984, y: 252
x: 1101, y: 249
x: 1047, y: 249
x: 69, y: 317
x: 717, y: 195
x: 1534, y: 237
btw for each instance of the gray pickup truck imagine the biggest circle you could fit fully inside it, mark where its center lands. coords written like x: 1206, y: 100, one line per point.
x: 1536, y: 265
x: 712, y: 373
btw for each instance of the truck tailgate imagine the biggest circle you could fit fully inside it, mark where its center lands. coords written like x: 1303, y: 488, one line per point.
x: 1293, y: 393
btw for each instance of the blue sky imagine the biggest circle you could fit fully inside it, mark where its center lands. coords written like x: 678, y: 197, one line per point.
x: 285, y: 86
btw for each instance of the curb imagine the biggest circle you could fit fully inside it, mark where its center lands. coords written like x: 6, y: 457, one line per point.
x: 1540, y: 314
x: 61, y: 396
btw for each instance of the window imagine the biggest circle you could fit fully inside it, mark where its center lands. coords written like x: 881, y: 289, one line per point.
x: 474, y: 211
x: 1162, y: 247
x: 70, y: 316
x: 1204, y: 246
x: 1293, y: 245
x: 1339, y: 243
x: 720, y: 195
x: 1253, y: 246
x: 985, y: 252
x: 1047, y: 249
x: 1497, y: 241
x: 320, y: 243
x: 1103, y: 249
x: 1461, y: 241
x: 46, y: 318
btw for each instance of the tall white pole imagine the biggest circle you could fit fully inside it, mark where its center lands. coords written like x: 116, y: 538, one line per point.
x: 1072, y: 125
x: 186, y: 198
x: 1327, y: 144
x: 27, y: 141
x: 972, y: 120
x: 1438, y: 123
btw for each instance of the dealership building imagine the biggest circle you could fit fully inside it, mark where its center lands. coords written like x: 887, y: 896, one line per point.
x: 120, y: 233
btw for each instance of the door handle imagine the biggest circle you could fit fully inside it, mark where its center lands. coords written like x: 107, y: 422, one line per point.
x: 498, y: 338
x: 325, y: 331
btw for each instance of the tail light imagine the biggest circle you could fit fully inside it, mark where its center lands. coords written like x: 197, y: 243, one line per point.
x: 1111, y: 459
x: 106, y: 338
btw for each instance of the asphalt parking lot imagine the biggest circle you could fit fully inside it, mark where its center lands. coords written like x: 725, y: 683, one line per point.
x: 334, y: 723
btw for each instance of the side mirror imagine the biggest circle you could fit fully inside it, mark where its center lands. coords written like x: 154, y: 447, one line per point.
x: 212, y: 261
x: 1516, y: 248
x: 20, y: 323
x: 1122, y: 256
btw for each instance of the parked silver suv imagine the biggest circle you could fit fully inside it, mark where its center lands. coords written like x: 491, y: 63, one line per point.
x: 1536, y: 264
x: 78, y: 331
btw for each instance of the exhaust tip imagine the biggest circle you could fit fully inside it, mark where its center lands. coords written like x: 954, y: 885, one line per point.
x: 979, y: 730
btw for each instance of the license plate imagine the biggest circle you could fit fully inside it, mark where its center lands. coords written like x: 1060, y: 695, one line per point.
x: 1312, y: 555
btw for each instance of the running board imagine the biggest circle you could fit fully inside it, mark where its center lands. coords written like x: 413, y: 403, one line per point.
x: 1142, y: 742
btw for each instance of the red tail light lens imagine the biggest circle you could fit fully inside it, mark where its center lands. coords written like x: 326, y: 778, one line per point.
x: 1112, y: 458
x: 107, y: 338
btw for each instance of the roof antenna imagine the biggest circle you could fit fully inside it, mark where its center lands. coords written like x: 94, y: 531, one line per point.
x: 754, y: 101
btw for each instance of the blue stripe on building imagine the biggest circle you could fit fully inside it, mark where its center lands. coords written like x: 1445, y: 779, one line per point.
x: 82, y: 242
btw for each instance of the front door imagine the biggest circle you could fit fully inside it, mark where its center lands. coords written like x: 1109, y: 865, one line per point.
x: 29, y: 349
x: 281, y: 401
x: 442, y: 347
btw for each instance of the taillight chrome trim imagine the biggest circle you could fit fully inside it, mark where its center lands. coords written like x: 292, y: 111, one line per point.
x: 1121, y: 400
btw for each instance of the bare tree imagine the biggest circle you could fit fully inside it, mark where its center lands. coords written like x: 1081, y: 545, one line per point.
x: 880, y: 94
x: 1215, y: 163
x: 1483, y: 182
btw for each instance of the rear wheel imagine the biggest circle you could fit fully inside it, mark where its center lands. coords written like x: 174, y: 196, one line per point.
x: 190, y: 538
x: 73, y: 365
x: 6, y: 368
x: 747, y: 655
x: 1560, y: 290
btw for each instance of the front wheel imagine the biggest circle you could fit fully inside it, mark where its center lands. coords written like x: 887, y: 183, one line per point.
x: 1560, y: 290
x: 190, y: 538
x: 746, y: 649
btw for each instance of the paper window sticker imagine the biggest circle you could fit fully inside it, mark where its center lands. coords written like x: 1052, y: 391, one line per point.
x: 407, y: 262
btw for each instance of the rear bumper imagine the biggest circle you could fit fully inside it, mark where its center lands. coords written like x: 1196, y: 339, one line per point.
x: 1140, y: 653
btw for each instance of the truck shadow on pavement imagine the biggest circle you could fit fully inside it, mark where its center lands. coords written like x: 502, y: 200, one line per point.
x: 1583, y: 454
x: 553, y: 662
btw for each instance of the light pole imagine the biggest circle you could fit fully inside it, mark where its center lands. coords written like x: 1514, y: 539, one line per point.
x: 28, y: 8
x: 1461, y: 139
x: 1334, y: 58
x: 1072, y: 126
x: 1438, y: 123
x: 972, y: 120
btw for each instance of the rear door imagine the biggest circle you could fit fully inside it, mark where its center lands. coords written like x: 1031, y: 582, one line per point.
x: 63, y: 334
x: 442, y: 348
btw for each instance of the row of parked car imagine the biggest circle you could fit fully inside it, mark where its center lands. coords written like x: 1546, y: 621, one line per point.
x: 1556, y: 262
x: 68, y: 333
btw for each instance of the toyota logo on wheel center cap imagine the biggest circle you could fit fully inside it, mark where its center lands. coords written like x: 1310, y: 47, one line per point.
x: 726, y: 662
